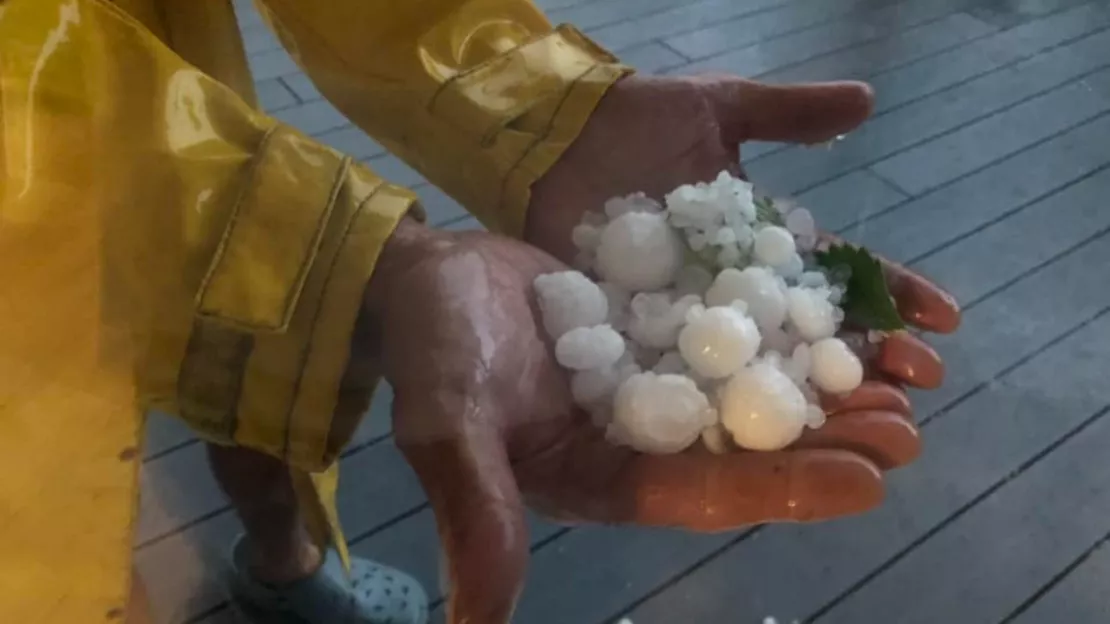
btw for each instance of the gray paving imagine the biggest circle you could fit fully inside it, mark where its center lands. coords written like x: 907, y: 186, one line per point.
x: 986, y: 166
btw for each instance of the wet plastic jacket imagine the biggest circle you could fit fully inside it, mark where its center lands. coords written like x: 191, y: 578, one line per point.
x: 138, y: 202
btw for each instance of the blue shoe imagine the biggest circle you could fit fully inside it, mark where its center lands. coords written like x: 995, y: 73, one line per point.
x: 373, y: 594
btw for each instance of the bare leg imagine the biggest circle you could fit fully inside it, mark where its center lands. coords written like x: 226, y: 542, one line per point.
x: 261, y: 491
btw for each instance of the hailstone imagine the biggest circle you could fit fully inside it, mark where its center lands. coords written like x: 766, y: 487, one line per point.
x: 774, y: 245
x: 718, y: 341
x: 811, y: 313
x: 715, y: 438
x: 639, y: 251
x: 762, y: 408
x: 569, y: 299
x: 657, y: 318
x: 836, y: 369
x: 757, y: 287
x: 660, y: 413
x: 588, y: 348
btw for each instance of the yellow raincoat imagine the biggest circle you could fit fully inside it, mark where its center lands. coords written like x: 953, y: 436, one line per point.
x: 163, y: 244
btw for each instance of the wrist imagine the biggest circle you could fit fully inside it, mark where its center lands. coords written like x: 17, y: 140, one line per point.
x: 409, y: 244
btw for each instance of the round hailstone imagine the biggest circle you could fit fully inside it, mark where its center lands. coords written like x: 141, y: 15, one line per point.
x: 791, y: 269
x: 586, y: 237
x: 656, y: 319
x: 660, y: 413
x: 836, y: 369
x: 799, y: 222
x: 588, y: 348
x: 715, y: 438
x: 567, y: 300
x: 811, y: 313
x: 815, y: 416
x: 762, y: 408
x: 757, y: 287
x: 813, y: 279
x: 639, y: 251
x: 773, y: 245
x: 719, y: 341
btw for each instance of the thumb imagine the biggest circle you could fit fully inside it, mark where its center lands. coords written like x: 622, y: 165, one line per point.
x: 480, y: 518
x: 803, y: 113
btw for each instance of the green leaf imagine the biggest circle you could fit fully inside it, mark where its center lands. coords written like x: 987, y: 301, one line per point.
x: 766, y: 212
x: 867, y: 301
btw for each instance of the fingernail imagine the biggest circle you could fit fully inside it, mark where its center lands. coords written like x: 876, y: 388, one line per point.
x: 830, y: 484
x: 906, y: 357
x: 931, y: 307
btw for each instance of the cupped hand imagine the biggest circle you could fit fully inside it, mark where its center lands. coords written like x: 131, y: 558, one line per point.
x: 484, y: 415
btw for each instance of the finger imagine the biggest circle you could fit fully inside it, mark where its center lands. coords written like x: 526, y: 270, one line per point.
x: 921, y: 302
x: 480, y: 519
x: 805, y: 113
x: 888, y: 439
x: 909, y: 359
x: 723, y: 492
x: 871, y: 395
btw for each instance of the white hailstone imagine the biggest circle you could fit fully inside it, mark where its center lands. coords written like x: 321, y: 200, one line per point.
x: 762, y: 408
x: 799, y: 222
x: 671, y: 363
x: 657, y: 318
x: 639, y: 251
x: 724, y: 236
x: 588, y: 348
x: 836, y: 369
x: 637, y: 202
x: 810, y: 313
x: 585, y: 237
x: 718, y: 341
x: 692, y: 280
x: 813, y: 279
x: 592, y: 387
x: 815, y: 416
x: 618, y: 300
x: 729, y: 256
x: 774, y: 245
x: 757, y: 287
x: 697, y: 239
x: 745, y: 235
x: 806, y: 244
x: 693, y: 205
x: 791, y: 269
x: 715, y: 438
x: 660, y: 413
x: 798, y: 366
x: 569, y: 299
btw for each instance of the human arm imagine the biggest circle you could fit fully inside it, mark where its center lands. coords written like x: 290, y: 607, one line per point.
x: 141, y: 200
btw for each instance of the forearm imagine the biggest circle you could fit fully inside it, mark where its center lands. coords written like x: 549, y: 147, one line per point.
x: 145, y: 209
x: 480, y: 97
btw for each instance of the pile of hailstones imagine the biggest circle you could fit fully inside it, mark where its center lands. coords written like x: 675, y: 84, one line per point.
x: 707, y: 318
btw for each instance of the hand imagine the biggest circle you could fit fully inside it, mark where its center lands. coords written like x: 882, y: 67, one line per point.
x: 484, y: 415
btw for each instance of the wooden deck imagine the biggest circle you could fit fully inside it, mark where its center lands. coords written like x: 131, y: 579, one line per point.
x: 986, y: 167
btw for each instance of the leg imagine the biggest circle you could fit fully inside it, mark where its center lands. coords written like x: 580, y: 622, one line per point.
x: 261, y: 491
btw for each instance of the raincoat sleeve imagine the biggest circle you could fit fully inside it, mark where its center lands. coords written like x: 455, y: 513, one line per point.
x: 480, y: 96
x: 141, y: 200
